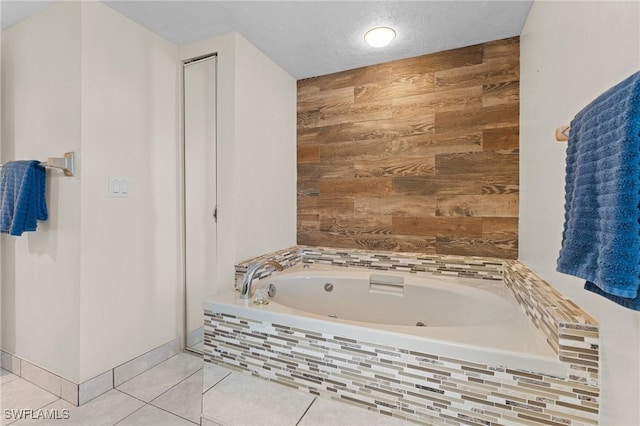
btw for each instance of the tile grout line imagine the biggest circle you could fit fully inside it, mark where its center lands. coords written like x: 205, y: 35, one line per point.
x: 213, y: 385
x: 151, y: 402
x: 176, y: 414
x: 202, y: 409
x: 39, y: 408
x: 130, y: 414
x: 306, y: 411
x: 224, y: 378
x: 195, y: 372
x: 144, y: 405
x: 171, y: 412
x: 142, y: 372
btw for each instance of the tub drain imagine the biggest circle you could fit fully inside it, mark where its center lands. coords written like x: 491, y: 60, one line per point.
x: 420, y: 324
x: 332, y: 316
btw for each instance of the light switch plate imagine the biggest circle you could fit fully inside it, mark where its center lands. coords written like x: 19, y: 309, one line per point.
x: 119, y: 187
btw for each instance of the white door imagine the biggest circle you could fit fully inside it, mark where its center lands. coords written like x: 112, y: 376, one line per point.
x: 199, y: 190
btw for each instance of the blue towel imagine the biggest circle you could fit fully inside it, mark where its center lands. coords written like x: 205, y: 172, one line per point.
x: 22, y: 196
x: 601, y: 238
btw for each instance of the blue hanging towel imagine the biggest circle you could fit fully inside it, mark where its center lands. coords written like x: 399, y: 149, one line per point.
x: 22, y: 196
x: 601, y: 238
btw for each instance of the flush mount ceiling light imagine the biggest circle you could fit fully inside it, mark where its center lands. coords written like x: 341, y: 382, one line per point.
x: 379, y: 37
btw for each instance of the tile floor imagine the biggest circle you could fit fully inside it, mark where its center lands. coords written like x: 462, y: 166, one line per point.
x: 171, y: 394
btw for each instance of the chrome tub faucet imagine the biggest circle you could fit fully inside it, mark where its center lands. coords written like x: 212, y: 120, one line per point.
x: 245, y: 287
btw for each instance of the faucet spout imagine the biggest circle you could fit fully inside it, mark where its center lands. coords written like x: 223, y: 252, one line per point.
x: 245, y: 287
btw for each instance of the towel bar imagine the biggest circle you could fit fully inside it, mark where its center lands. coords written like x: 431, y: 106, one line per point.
x: 67, y: 163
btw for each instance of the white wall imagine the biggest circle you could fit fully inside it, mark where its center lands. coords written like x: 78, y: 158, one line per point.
x: 265, y: 157
x: 256, y: 152
x: 40, y: 119
x: 131, y: 296
x: 570, y: 53
x: 98, y: 283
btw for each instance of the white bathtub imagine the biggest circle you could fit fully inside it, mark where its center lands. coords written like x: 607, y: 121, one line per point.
x: 467, y: 319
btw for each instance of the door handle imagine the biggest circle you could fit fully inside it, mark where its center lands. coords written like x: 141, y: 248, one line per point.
x: 215, y: 214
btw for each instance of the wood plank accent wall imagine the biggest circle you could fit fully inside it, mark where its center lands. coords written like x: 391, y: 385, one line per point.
x: 415, y: 155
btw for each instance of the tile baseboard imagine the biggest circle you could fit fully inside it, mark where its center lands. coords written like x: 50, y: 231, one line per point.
x: 79, y: 394
x: 144, y: 362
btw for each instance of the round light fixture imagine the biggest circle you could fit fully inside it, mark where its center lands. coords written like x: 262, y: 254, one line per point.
x: 379, y: 37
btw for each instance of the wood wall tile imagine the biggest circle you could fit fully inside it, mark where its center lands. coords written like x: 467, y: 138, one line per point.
x: 500, y: 49
x: 393, y: 89
x: 477, y: 162
x: 438, y: 143
x: 308, y: 188
x: 507, y: 92
x: 417, y: 155
x: 342, y: 114
x: 502, y: 115
x: 347, y: 78
x: 396, y: 166
x: 432, y: 185
x: 308, y: 222
x: 493, y: 205
x: 395, y: 205
x: 487, y: 73
x: 467, y: 227
x: 326, y: 99
x: 416, y: 105
x: 355, y: 225
x: 440, y: 61
x: 355, y: 150
x: 325, y: 205
x: 356, y: 186
x: 500, y: 227
x: 325, y: 171
x: 503, y: 248
x: 308, y: 153
x: 505, y: 138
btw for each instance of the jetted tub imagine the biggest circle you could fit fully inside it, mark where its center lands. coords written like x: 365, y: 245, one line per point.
x: 468, y: 319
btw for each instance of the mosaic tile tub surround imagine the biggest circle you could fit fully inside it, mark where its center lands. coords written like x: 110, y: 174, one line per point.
x: 425, y: 388
x: 462, y: 266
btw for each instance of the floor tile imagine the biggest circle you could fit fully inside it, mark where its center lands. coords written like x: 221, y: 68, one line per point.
x: 20, y: 394
x: 212, y: 375
x: 184, y: 399
x: 152, y: 416
x: 152, y: 383
x: 6, y: 376
x: 324, y: 412
x: 206, y: 422
x: 106, y: 410
x: 129, y: 370
x: 240, y: 399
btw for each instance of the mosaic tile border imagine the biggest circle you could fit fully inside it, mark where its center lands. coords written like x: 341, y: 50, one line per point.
x: 461, y: 266
x: 420, y: 387
x: 415, y: 263
x: 570, y: 331
x: 286, y: 257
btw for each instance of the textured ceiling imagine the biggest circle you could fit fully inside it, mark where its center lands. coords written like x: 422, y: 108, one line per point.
x: 310, y: 38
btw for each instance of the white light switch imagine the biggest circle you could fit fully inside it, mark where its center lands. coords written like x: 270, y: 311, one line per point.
x: 119, y: 187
